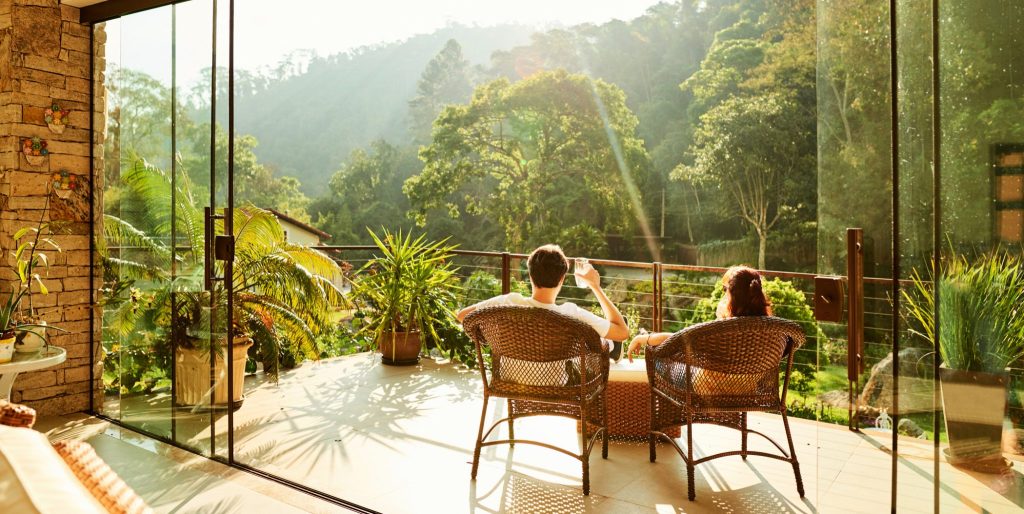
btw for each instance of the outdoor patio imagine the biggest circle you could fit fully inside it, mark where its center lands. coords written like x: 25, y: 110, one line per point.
x: 400, y: 439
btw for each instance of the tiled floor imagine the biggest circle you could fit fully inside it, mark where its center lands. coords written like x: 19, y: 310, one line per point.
x: 399, y: 439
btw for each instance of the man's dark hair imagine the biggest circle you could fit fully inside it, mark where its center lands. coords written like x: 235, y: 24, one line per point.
x: 548, y: 266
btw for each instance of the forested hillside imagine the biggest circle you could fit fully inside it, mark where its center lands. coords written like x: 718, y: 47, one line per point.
x: 691, y: 125
x: 308, y: 124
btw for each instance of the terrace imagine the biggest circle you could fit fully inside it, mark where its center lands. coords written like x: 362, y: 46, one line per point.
x: 170, y: 172
x: 346, y: 426
x: 387, y: 437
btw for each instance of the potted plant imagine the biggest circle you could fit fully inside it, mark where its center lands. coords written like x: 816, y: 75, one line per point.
x: 30, y: 266
x: 283, y: 294
x: 981, y: 332
x: 12, y: 328
x: 405, y: 294
x: 199, y: 334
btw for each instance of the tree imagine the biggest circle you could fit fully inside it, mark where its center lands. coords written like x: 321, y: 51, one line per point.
x: 139, y: 120
x: 755, y: 150
x: 255, y: 183
x: 446, y: 80
x: 549, y: 152
x: 367, y: 193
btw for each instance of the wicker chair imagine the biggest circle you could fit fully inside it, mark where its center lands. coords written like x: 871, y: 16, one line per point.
x: 716, y: 372
x: 543, y: 363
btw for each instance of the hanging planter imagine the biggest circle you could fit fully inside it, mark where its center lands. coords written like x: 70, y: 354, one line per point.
x: 64, y: 184
x: 56, y: 118
x: 35, y: 150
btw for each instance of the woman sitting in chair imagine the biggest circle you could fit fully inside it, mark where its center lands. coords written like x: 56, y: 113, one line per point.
x: 744, y: 296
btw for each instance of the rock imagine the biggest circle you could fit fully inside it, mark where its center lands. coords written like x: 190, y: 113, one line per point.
x: 916, y: 384
x: 909, y: 428
x: 837, y: 398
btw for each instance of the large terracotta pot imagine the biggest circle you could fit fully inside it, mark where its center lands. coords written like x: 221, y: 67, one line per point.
x: 399, y: 348
x: 974, y: 404
x: 192, y: 376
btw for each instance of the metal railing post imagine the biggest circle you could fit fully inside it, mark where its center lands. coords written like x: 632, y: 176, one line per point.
x: 506, y: 273
x: 657, y: 287
x: 855, y: 319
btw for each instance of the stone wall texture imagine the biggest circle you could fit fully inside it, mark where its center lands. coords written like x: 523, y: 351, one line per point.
x: 45, y: 60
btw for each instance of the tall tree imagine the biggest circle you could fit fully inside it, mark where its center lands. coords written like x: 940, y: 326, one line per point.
x: 446, y: 80
x: 756, y: 151
x: 547, y: 153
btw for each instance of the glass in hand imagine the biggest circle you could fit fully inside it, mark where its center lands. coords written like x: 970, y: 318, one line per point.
x: 581, y: 267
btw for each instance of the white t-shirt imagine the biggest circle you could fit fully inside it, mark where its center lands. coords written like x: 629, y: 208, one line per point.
x: 600, y: 325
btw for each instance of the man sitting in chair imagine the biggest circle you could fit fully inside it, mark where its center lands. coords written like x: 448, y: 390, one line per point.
x: 548, y: 267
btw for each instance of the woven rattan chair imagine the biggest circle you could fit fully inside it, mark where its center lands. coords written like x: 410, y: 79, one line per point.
x: 543, y: 363
x: 716, y: 372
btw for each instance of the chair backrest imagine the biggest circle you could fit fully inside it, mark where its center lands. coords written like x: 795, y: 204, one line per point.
x: 519, y: 335
x: 746, y: 345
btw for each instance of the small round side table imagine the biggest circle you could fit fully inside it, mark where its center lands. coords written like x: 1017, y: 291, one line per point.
x: 50, y: 356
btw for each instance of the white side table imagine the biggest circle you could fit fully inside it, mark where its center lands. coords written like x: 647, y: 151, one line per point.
x: 44, y: 358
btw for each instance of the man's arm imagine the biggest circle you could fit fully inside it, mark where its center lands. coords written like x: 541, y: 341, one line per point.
x: 618, y: 330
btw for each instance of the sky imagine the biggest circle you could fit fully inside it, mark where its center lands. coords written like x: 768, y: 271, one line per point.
x: 266, y: 30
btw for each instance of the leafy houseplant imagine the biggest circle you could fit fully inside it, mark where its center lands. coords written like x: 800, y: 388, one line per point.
x: 283, y: 294
x: 980, y: 312
x: 405, y: 294
x: 22, y: 329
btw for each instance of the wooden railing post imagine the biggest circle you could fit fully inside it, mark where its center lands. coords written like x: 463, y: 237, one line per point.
x: 506, y: 273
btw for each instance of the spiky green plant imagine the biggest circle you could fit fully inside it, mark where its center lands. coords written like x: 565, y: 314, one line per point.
x: 981, y: 310
x: 410, y: 286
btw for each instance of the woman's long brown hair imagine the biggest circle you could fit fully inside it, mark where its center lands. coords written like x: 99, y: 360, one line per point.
x: 746, y: 294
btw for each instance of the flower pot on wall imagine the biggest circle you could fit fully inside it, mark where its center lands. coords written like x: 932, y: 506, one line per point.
x: 192, y: 376
x: 974, y: 404
x: 399, y: 348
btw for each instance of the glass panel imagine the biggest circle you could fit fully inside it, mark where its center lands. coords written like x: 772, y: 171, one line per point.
x: 156, y: 185
x: 138, y: 367
x: 979, y: 294
x: 919, y: 413
x: 855, y: 191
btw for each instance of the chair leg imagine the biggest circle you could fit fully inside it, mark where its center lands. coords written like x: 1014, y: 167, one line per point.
x: 604, y: 423
x: 654, y: 426
x: 511, y: 427
x: 743, y: 431
x: 690, y: 486
x: 585, y: 448
x: 792, y: 455
x: 479, y: 440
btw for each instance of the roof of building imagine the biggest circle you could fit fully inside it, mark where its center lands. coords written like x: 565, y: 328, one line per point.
x: 301, y: 224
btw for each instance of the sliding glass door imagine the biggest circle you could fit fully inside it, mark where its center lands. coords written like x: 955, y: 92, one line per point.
x: 164, y: 192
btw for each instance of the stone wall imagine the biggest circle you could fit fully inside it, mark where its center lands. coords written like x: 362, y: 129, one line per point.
x: 44, y: 60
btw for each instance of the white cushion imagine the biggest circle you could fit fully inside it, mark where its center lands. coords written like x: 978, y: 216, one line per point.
x: 34, y: 479
x: 625, y: 371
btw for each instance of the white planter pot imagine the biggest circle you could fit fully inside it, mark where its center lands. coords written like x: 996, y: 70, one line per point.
x: 33, y: 341
x: 6, y: 350
x: 192, y: 376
